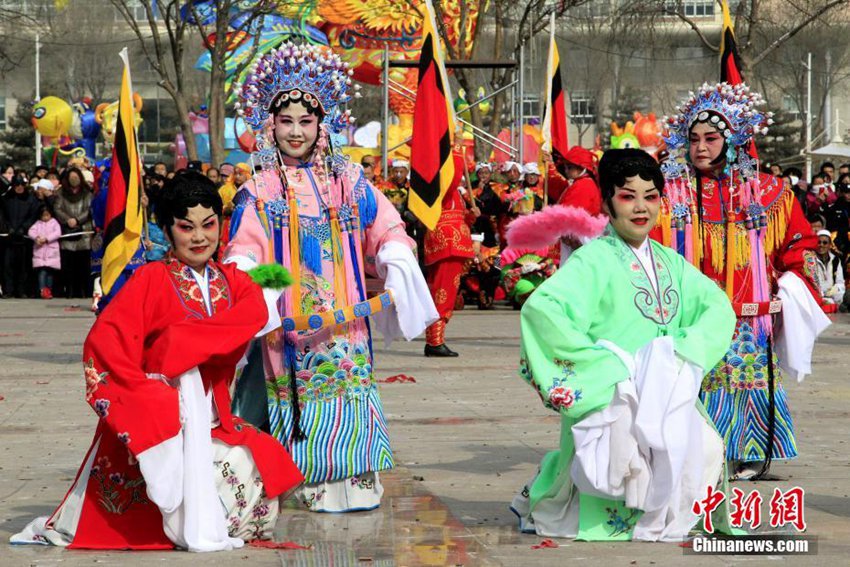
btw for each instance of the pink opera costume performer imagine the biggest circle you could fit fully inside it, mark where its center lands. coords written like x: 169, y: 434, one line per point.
x: 314, y: 212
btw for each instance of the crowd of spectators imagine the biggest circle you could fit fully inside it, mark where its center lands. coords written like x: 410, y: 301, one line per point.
x: 49, y: 229
x: 825, y: 199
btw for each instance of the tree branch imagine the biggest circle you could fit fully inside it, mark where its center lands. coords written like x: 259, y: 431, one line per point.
x: 796, y: 29
x: 692, y: 24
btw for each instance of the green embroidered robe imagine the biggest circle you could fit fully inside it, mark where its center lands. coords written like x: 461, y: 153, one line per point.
x: 603, y: 292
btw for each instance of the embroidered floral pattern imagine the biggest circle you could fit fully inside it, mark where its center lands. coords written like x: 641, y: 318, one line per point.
x: 117, y: 492
x: 363, y: 483
x: 101, y: 407
x: 314, y: 498
x: 260, y: 520
x: 744, y: 367
x: 93, y: 378
x: 560, y: 397
x: 190, y: 292
x: 619, y: 525
x: 343, y: 370
x: 810, y: 268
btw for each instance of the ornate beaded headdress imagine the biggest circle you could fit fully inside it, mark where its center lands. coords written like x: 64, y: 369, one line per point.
x: 732, y: 109
x: 309, y: 74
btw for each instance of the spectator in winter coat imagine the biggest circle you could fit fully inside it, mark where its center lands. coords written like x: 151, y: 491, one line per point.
x: 20, y: 209
x: 72, y: 208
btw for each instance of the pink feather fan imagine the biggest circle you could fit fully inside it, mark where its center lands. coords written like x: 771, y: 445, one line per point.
x: 547, y: 227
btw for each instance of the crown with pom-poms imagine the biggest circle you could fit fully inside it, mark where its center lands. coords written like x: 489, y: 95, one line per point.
x: 732, y: 109
x: 309, y: 74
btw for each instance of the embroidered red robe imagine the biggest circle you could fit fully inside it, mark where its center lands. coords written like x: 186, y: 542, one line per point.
x: 156, y: 327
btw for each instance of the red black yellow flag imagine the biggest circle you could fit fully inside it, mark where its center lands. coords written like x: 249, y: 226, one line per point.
x: 555, y: 119
x: 730, y: 61
x: 431, y: 165
x: 123, y: 221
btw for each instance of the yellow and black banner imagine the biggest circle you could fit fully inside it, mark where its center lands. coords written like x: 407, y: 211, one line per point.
x: 124, y: 218
x: 432, y: 167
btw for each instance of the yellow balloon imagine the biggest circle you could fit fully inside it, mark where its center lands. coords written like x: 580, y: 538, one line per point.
x: 52, y: 116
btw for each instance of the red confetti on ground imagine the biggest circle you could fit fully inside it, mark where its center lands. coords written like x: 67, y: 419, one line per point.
x: 686, y: 544
x: 398, y: 378
x: 68, y: 309
x: 44, y: 382
x: 11, y: 334
x: 545, y: 543
x: 2, y: 398
x: 266, y: 544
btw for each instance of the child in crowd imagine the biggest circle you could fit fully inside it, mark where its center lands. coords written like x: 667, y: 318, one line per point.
x: 45, y: 233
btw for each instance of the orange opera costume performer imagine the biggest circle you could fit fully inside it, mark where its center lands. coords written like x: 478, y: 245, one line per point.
x: 747, y: 232
x: 448, y: 249
x: 169, y: 465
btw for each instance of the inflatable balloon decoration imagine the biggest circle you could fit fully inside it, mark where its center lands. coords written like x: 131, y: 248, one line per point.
x: 623, y: 137
x: 52, y: 117
x: 643, y: 132
x: 106, y: 114
x: 67, y: 129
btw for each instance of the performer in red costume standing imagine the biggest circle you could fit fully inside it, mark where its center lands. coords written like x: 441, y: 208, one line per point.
x: 169, y: 465
x: 746, y: 231
x: 575, y: 218
x: 447, y: 249
x: 579, y: 167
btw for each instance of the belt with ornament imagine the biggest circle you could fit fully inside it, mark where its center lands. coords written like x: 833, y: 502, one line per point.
x: 317, y: 321
x: 757, y: 309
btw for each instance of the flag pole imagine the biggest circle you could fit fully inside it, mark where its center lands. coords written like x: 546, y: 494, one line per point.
x: 547, y: 110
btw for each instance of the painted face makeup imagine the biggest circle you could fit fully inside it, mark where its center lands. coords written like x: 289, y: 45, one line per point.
x: 705, y: 146
x: 195, y: 238
x: 636, y: 205
x: 296, y: 131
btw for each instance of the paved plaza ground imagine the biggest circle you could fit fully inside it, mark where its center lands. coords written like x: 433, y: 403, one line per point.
x: 466, y: 436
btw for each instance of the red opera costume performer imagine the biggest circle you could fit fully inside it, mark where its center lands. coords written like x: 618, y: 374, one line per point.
x: 579, y: 167
x: 747, y: 232
x: 169, y: 465
x: 576, y: 218
x: 448, y: 248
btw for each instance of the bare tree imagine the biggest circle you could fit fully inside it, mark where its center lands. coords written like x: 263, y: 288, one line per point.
x: 15, y: 47
x: 754, y: 20
x: 222, y: 40
x: 163, y: 35
x: 82, y: 58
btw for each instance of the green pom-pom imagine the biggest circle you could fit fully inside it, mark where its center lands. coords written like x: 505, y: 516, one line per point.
x: 272, y: 276
x: 523, y: 287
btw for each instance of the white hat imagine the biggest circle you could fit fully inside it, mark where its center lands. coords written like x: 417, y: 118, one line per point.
x: 530, y: 169
x: 825, y: 232
x: 508, y: 165
x: 44, y: 184
x: 483, y: 165
x: 401, y: 163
